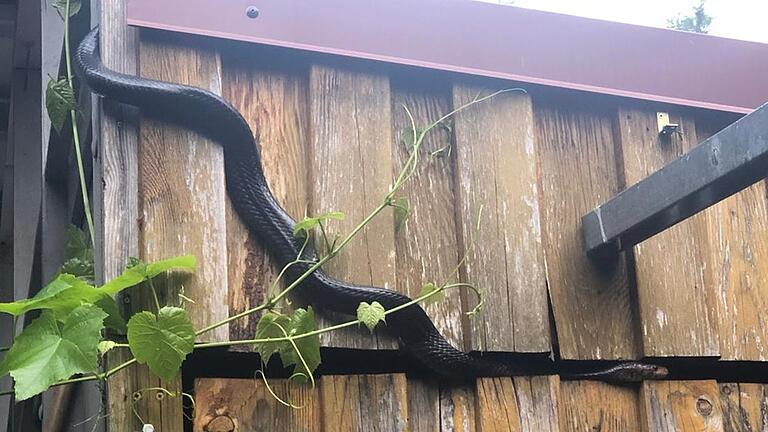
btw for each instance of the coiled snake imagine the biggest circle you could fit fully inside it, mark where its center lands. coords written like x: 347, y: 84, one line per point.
x: 209, y: 114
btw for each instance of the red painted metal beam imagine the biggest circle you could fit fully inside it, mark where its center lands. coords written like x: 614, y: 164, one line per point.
x: 491, y: 40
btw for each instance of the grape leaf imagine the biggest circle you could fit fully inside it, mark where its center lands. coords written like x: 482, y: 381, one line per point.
x: 59, y: 101
x: 370, y: 314
x: 61, y: 296
x: 106, y: 346
x: 302, y: 321
x: 137, y: 272
x: 271, y: 325
x: 79, y: 255
x: 46, y: 352
x: 61, y: 7
x: 162, y: 341
x: 307, y: 224
x: 402, y: 209
x: 429, y: 288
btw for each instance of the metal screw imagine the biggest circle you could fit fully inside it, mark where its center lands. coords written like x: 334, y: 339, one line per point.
x: 726, y: 389
x: 159, y: 395
x: 703, y: 406
x: 251, y: 12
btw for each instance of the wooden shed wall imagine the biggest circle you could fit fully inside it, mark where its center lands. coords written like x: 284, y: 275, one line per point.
x: 330, y: 134
x: 520, y: 404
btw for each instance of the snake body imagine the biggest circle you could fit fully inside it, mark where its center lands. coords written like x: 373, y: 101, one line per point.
x: 209, y: 114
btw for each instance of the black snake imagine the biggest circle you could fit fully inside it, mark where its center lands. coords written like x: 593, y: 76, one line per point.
x: 209, y: 114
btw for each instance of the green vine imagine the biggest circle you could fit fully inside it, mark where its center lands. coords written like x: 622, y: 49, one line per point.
x: 63, y: 345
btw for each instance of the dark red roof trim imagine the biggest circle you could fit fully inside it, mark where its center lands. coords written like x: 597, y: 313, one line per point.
x: 491, y: 40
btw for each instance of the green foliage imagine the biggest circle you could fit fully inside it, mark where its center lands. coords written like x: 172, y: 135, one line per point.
x: 61, y: 7
x: 47, y: 351
x: 79, y: 255
x: 302, y: 322
x: 273, y: 325
x: 106, y: 346
x: 402, y: 209
x: 162, y: 341
x: 306, y: 225
x: 429, y: 288
x: 59, y: 101
x: 138, y: 272
x: 697, y: 22
x: 371, y: 314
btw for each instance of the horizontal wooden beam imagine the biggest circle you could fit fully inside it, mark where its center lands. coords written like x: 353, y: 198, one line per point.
x: 729, y: 161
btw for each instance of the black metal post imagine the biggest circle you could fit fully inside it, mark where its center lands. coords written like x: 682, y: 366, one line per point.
x: 731, y: 160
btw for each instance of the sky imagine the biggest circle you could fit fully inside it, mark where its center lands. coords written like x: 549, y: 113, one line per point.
x: 737, y: 19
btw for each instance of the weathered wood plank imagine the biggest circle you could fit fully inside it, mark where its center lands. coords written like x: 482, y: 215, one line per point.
x: 182, y: 209
x: 116, y: 210
x: 745, y: 407
x: 738, y: 229
x: 427, y: 244
x: 675, y: 290
x: 434, y: 406
x: 589, y: 406
x: 681, y: 406
x: 181, y: 185
x: 524, y: 404
x: 351, y: 168
x: 228, y: 405
x: 496, y: 166
x: 364, y: 402
x: 592, y: 307
x: 273, y: 99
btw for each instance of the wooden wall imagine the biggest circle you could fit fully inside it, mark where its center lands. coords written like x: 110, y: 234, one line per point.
x: 330, y: 135
x: 520, y: 404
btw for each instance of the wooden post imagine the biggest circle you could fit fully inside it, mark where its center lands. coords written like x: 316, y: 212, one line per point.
x: 116, y: 198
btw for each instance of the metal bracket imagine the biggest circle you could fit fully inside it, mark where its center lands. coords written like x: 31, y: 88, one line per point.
x: 729, y: 161
x: 666, y: 128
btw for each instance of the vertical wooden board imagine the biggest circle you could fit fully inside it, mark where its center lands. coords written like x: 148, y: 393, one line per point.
x: 745, y: 407
x: 228, y: 405
x: 524, y: 404
x: 427, y: 244
x: 181, y: 185
x: 351, y: 168
x: 738, y: 230
x: 589, y: 406
x: 182, y: 205
x: 675, y: 291
x: 116, y: 210
x: 496, y: 163
x: 273, y: 101
x: 681, y: 406
x: 434, y: 406
x: 364, y: 403
x: 593, y: 310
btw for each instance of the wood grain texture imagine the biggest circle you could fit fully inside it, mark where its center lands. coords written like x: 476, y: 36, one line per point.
x: 745, y: 407
x: 228, y: 405
x: 496, y: 166
x: 181, y: 186
x: 589, y: 406
x: 351, y: 147
x: 524, y: 404
x: 738, y: 230
x: 364, y: 403
x: 116, y: 192
x: 273, y: 100
x: 675, y: 291
x: 427, y: 244
x: 181, y: 207
x: 681, y: 406
x: 435, y: 407
x: 592, y: 307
